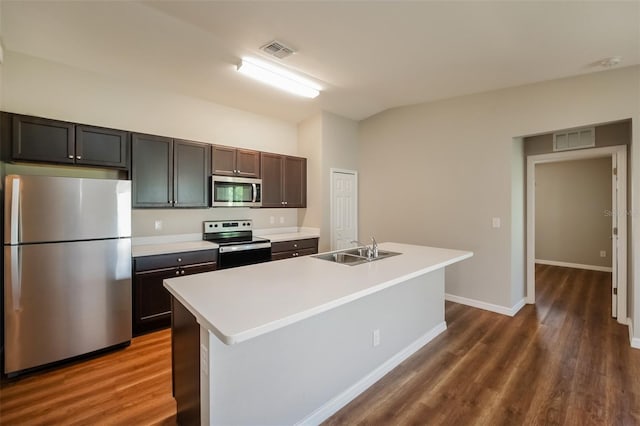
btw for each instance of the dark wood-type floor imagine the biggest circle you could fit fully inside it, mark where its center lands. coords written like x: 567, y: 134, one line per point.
x: 131, y: 386
x: 562, y: 361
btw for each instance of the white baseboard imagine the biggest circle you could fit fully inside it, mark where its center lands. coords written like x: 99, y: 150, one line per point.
x: 635, y: 341
x: 574, y: 265
x: 342, y: 399
x: 486, y: 306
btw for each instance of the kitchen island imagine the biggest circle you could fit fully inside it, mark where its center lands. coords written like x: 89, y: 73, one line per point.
x: 293, y: 341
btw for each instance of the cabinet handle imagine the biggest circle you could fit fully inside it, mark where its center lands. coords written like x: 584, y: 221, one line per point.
x: 295, y: 246
x: 179, y: 259
x: 285, y: 203
x: 78, y: 157
x: 177, y: 272
x: 71, y: 157
x: 182, y: 272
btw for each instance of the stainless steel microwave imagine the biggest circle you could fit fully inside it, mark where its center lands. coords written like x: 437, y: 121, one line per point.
x: 235, y: 192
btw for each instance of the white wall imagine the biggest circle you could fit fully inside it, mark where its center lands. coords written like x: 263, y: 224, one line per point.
x: 340, y: 151
x: 39, y: 87
x: 328, y: 141
x: 518, y: 220
x: 310, y: 147
x: 572, y: 201
x: 436, y: 173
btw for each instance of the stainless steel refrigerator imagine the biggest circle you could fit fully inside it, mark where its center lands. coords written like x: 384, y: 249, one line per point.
x: 67, y: 268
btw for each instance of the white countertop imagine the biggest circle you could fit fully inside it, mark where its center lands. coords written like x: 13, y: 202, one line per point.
x: 290, y: 236
x: 164, y: 244
x: 138, y: 250
x: 239, y: 304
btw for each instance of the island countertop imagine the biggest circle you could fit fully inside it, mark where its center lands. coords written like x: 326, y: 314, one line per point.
x: 239, y: 304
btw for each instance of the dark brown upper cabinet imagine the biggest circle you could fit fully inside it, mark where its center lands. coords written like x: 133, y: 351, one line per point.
x: 51, y: 141
x: 284, y: 180
x: 191, y: 170
x: 169, y: 173
x: 228, y: 161
x: 97, y: 146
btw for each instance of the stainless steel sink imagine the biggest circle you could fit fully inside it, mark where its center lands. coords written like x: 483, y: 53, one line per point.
x: 354, y: 257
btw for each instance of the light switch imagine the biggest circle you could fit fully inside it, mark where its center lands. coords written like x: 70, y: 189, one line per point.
x: 495, y: 222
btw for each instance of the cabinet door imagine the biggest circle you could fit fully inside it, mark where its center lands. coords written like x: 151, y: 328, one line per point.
x: 152, y: 171
x: 295, y: 182
x: 223, y: 160
x: 190, y: 174
x: 40, y: 139
x: 151, y: 301
x: 97, y: 146
x: 271, y: 180
x: 247, y: 163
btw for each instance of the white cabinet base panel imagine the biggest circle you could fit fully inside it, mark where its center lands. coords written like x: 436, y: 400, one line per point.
x: 305, y: 372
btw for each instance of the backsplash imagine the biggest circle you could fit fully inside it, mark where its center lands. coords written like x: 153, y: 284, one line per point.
x: 189, y: 221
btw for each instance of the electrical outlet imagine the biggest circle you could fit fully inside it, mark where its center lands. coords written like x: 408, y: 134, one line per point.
x: 158, y: 225
x: 272, y: 220
x: 376, y: 337
x: 603, y: 253
x: 281, y: 219
x: 495, y: 222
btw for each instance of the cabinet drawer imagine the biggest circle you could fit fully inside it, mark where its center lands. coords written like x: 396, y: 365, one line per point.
x: 294, y: 245
x: 172, y: 260
x: 293, y: 253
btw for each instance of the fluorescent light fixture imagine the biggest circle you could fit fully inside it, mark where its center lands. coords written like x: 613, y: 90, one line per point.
x: 278, y: 77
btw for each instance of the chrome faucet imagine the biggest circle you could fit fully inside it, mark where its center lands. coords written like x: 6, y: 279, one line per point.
x: 372, y: 252
x: 374, y: 247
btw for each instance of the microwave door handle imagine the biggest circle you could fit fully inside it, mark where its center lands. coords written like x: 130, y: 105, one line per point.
x: 255, y: 192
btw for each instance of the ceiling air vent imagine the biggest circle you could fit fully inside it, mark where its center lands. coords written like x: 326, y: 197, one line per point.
x: 278, y: 49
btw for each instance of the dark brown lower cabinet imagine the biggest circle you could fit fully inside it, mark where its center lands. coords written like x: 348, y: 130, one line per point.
x: 185, y: 364
x: 151, y: 301
x: 294, y: 248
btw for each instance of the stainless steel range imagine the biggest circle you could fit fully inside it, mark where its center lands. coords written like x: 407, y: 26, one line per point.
x: 238, y: 246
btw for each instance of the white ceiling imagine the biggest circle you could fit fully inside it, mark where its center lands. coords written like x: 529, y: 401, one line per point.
x: 368, y: 55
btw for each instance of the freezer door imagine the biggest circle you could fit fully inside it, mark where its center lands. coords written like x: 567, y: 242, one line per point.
x: 65, y: 299
x: 46, y: 209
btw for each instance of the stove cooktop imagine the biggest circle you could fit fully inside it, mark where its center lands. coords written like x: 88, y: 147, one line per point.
x: 233, y: 232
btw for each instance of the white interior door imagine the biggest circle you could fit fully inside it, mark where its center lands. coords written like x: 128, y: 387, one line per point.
x: 344, y: 208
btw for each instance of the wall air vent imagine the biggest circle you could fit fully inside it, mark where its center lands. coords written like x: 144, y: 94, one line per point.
x: 278, y: 49
x: 574, y: 139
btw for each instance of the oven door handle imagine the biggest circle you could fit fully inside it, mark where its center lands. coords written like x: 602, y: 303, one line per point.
x: 255, y: 192
x: 244, y: 247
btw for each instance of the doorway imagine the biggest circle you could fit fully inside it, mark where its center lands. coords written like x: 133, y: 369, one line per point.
x: 618, y: 156
x: 344, y: 208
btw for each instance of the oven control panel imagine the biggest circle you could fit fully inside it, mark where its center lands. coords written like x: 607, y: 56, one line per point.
x: 215, y: 226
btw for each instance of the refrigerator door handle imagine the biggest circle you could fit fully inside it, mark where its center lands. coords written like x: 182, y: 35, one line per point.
x: 15, y: 269
x: 14, y: 226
